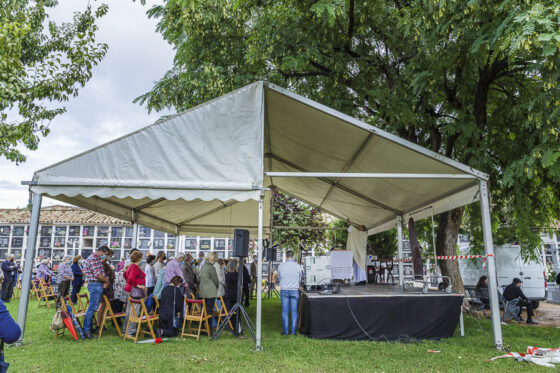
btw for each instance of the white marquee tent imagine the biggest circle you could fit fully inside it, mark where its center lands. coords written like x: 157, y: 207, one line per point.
x: 209, y: 170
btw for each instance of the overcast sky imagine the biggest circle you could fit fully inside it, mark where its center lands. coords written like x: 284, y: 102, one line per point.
x: 103, y: 110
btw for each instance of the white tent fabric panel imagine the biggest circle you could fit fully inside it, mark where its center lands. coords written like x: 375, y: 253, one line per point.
x: 304, y: 136
x: 448, y: 203
x: 211, y: 152
x: 201, y: 171
x: 222, y: 220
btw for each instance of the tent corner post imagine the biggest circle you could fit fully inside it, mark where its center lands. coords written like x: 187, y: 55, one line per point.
x: 259, y: 273
x: 28, y: 264
x: 490, y: 264
x: 400, y: 249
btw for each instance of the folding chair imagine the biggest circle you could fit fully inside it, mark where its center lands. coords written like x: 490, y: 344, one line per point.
x: 36, y: 289
x: 192, y: 316
x: 389, y: 266
x: 17, y: 290
x: 46, y: 294
x: 195, y: 307
x: 143, y: 318
x: 78, y: 313
x: 222, y: 312
x: 112, y: 317
x: 82, y: 306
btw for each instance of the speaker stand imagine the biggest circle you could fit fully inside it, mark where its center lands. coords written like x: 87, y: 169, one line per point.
x: 236, y: 310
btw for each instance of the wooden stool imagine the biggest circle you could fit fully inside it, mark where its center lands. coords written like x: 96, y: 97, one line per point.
x: 142, y: 318
x: 112, y: 317
x: 191, y: 315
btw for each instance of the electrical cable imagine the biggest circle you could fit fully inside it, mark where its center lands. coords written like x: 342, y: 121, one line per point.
x: 402, y: 337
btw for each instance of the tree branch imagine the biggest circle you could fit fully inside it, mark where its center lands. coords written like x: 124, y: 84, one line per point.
x: 350, y: 32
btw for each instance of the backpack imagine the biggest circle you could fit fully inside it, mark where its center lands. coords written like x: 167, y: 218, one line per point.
x: 57, y: 323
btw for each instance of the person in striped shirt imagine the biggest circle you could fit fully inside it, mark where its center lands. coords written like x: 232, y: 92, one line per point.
x: 95, y: 278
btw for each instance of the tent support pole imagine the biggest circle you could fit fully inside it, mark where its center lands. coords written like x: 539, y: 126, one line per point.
x: 490, y: 265
x: 400, y: 249
x: 134, y: 234
x: 259, y: 273
x: 28, y: 265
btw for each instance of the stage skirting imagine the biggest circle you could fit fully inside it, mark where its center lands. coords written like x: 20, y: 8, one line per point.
x: 383, y: 317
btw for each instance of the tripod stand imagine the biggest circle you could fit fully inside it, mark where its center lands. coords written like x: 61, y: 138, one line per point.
x: 239, y: 313
x: 270, y: 288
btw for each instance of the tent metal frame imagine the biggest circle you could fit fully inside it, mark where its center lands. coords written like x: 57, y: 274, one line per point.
x: 135, y: 214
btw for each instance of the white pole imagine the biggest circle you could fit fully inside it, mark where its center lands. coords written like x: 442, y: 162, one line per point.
x: 363, y: 175
x: 462, y: 323
x: 259, y: 273
x: 28, y: 264
x: 400, y: 252
x: 490, y: 265
x: 134, y: 235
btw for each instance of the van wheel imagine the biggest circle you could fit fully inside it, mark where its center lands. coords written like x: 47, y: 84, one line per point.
x: 535, y: 304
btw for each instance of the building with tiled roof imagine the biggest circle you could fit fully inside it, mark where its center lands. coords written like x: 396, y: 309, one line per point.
x: 68, y: 230
x: 59, y: 214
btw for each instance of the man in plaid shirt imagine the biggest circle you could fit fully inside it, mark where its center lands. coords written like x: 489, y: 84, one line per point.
x: 95, y: 278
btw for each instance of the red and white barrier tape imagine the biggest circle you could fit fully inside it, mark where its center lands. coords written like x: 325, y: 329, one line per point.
x: 531, y: 351
x: 447, y: 257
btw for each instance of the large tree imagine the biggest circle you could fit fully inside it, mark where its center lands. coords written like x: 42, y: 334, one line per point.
x: 473, y: 80
x: 287, y: 212
x: 42, y: 64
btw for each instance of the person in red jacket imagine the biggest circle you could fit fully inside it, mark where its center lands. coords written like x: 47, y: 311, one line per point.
x: 135, y: 278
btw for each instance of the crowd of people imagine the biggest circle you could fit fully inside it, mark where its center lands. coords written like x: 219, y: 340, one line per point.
x: 139, y: 276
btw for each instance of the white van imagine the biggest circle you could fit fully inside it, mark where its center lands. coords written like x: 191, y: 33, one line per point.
x: 509, y: 264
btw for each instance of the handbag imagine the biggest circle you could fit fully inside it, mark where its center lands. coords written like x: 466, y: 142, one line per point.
x: 137, y: 293
x: 176, y: 323
x: 57, y: 323
x: 3, y: 365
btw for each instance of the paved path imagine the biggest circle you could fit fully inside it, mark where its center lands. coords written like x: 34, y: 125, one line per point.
x: 554, y: 294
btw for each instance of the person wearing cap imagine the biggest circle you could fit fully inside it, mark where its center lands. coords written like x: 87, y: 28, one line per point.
x: 513, y: 291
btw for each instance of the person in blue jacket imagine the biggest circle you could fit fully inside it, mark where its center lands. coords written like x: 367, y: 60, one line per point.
x: 9, y: 330
x: 10, y: 270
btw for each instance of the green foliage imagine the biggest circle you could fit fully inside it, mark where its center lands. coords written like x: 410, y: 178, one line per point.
x: 280, y: 354
x: 383, y: 245
x: 41, y: 63
x: 338, y: 237
x: 473, y: 80
x: 289, y: 212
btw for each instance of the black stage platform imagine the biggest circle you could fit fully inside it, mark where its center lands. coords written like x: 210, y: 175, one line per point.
x: 379, y: 312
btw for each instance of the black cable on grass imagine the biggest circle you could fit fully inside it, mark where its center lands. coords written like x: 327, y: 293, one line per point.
x: 402, y: 338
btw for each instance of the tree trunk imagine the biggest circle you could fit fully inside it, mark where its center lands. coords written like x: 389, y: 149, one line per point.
x: 446, y: 244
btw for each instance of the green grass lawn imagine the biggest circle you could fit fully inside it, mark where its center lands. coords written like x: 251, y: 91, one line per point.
x: 43, y: 353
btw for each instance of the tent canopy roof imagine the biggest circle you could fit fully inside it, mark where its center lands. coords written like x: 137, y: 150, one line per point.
x: 203, y: 171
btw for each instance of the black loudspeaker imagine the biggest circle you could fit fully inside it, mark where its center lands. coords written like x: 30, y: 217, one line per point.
x: 270, y: 254
x: 240, y: 243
